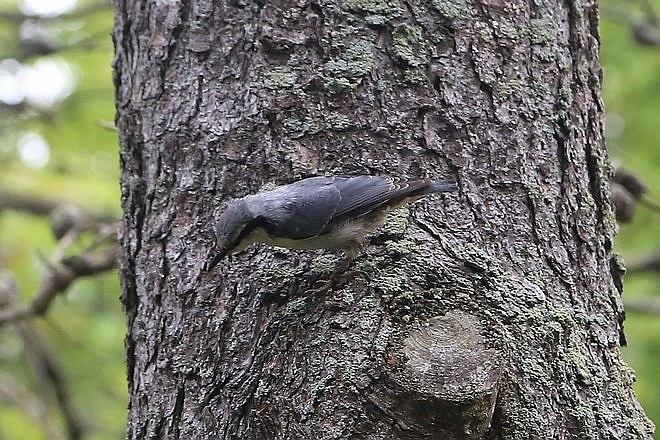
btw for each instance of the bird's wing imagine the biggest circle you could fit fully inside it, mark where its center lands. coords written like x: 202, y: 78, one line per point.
x: 317, y: 205
x: 362, y: 194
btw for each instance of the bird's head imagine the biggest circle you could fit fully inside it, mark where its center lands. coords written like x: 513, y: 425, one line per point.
x: 231, y: 228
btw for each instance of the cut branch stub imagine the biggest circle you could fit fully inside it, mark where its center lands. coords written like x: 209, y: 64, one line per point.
x: 448, y: 384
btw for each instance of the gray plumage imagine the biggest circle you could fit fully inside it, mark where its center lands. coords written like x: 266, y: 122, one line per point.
x: 334, y: 212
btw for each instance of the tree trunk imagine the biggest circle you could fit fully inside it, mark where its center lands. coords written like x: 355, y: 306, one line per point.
x: 493, y: 312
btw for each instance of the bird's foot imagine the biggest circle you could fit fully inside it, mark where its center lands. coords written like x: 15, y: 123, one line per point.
x: 335, y: 281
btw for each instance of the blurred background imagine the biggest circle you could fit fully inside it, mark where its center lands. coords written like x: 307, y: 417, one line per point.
x: 63, y: 376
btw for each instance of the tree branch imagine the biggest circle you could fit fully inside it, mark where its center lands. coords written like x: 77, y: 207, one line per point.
x: 643, y: 264
x: 58, y: 278
x: 645, y: 305
x: 32, y: 205
x: 42, y: 206
x: 15, y: 393
x: 67, y: 221
x: 48, y: 372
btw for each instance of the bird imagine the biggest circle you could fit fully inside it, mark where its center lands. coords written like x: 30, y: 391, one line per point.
x: 325, y: 212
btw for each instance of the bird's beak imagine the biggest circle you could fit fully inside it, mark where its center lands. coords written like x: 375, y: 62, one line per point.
x: 213, y: 261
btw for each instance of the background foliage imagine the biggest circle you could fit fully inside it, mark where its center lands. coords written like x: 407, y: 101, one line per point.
x: 631, y: 91
x: 83, y: 330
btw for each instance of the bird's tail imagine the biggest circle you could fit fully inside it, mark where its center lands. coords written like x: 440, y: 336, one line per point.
x: 439, y: 186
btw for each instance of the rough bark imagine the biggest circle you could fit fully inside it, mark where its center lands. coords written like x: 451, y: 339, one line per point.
x: 491, y: 313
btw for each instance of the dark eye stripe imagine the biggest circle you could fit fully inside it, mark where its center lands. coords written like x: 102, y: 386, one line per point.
x: 247, y: 230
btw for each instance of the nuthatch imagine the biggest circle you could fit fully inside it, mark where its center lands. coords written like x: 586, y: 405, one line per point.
x: 334, y: 212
